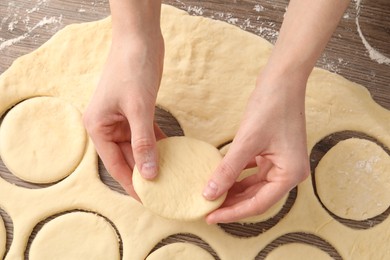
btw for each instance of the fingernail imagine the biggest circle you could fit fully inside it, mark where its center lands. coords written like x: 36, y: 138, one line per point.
x: 149, y: 170
x: 211, y: 190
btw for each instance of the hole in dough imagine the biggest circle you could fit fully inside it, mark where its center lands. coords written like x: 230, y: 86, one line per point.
x: 186, y: 238
x: 180, y: 251
x: 301, y: 239
x: 167, y: 122
x: 6, y: 233
x: 355, y: 167
x: 185, y: 166
x: 108, y: 180
x: 42, y: 140
x: 75, y: 235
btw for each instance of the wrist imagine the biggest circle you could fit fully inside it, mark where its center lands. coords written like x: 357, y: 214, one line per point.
x: 135, y: 18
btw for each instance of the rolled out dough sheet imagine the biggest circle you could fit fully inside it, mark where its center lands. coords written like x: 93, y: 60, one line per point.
x: 200, y: 72
x: 185, y: 166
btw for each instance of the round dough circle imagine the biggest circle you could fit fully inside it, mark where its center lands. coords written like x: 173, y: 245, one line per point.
x: 185, y: 166
x: 180, y: 251
x: 298, y: 251
x: 3, y: 238
x: 352, y: 179
x: 76, y: 235
x: 271, y: 212
x: 42, y: 140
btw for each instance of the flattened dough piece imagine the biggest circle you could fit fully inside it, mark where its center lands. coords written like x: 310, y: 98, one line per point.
x: 76, y: 235
x: 297, y: 251
x: 353, y: 179
x: 3, y: 237
x: 180, y: 251
x: 185, y: 165
x: 42, y: 140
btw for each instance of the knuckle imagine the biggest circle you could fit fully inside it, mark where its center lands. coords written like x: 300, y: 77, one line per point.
x: 89, y: 123
x: 227, y: 173
x: 142, y: 144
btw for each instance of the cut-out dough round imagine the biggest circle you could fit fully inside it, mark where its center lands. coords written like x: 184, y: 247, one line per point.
x: 298, y: 251
x: 76, y: 235
x: 352, y: 179
x: 185, y: 165
x: 180, y: 251
x: 3, y: 238
x: 271, y: 212
x: 42, y: 140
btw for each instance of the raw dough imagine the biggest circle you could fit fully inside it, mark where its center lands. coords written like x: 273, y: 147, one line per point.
x: 3, y: 237
x: 180, y: 251
x: 42, y: 139
x: 297, y: 251
x: 185, y: 166
x: 76, y: 235
x: 353, y: 179
x: 205, y: 91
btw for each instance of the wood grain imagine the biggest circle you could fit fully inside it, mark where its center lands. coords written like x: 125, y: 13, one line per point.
x: 27, y: 24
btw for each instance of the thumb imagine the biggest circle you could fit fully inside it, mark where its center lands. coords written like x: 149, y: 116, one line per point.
x: 226, y: 173
x: 143, y: 142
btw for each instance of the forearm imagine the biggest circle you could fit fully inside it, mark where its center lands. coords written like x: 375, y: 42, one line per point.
x: 306, y: 29
x: 135, y: 17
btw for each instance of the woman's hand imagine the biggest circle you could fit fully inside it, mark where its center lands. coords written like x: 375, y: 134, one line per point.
x: 272, y: 134
x: 119, y: 118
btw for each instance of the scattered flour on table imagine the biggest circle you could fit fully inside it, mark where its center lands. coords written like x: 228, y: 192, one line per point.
x: 258, y: 8
x: 374, y: 54
x: 43, y: 22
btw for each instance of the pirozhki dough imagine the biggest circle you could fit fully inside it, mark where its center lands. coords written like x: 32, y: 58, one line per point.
x: 185, y: 166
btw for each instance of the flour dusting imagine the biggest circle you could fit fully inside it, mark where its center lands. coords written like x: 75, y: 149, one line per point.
x: 374, y: 54
x: 44, y: 22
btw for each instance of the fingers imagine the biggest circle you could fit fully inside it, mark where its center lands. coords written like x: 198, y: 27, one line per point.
x: 257, y: 200
x: 226, y: 173
x: 143, y: 139
x: 116, y: 164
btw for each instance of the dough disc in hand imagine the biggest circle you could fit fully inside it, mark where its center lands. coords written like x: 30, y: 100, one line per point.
x: 185, y: 166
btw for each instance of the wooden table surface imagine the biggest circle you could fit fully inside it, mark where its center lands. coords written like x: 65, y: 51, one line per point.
x: 359, y: 50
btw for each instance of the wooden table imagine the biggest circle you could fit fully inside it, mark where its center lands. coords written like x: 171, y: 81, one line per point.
x: 363, y: 31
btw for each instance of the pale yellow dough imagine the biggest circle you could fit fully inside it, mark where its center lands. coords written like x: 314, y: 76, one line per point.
x: 185, y: 166
x: 180, y: 251
x: 210, y: 70
x: 76, y: 235
x: 353, y: 179
x: 297, y: 251
x: 3, y: 237
x: 42, y: 139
